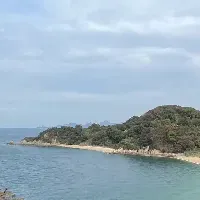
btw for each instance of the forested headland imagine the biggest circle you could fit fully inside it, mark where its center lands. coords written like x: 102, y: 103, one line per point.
x: 169, y: 129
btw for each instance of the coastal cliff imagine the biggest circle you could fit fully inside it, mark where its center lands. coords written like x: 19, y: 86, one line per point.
x: 167, y: 129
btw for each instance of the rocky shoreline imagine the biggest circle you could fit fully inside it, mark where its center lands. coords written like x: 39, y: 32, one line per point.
x: 141, y: 152
x: 7, y: 195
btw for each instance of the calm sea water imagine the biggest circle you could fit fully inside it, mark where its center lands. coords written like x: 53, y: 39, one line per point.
x: 68, y: 174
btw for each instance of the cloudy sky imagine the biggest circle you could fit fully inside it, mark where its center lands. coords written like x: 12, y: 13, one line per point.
x: 77, y: 61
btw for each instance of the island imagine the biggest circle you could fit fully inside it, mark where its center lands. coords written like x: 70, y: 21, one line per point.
x: 165, y: 131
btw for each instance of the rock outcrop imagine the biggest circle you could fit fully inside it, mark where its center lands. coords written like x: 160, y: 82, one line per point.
x: 7, y: 195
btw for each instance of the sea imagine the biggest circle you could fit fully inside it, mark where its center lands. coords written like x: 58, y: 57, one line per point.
x: 48, y: 173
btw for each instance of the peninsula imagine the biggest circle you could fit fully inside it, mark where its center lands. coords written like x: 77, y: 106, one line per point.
x: 165, y: 131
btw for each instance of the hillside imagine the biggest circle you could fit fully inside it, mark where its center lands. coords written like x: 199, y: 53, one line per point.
x: 169, y: 128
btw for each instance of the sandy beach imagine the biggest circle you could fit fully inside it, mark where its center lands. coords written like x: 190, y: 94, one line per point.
x: 154, y: 153
x: 92, y: 148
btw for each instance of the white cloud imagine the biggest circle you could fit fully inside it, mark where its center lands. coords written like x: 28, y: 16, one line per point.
x: 72, y: 59
x: 168, y: 25
x: 39, y: 96
x: 139, y: 56
x: 68, y: 36
x: 175, y: 26
x: 5, y: 109
x: 146, y: 17
x: 162, y: 51
x: 91, y: 26
x: 195, y: 60
x: 2, y: 30
x: 58, y: 27
x: 95, y: 97
x: 33, y: 53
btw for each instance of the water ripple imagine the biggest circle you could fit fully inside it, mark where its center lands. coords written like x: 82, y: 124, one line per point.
x: 63, y: 174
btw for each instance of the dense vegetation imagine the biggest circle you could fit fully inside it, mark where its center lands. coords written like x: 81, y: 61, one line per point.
x: 166, y: 128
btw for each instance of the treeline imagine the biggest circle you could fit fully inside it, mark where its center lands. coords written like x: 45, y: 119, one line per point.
x: 166, y: 128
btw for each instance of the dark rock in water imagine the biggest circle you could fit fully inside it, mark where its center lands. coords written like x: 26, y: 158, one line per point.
x: 11, y: 143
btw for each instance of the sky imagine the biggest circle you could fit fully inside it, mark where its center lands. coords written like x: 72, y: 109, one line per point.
x: 79, y: 61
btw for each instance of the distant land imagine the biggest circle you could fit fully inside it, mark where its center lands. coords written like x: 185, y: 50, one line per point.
x: 104, y: 123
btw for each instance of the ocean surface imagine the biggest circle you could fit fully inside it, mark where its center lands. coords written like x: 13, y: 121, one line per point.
x: 37, y: 173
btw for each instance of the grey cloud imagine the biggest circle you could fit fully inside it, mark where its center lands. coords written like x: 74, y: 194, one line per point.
x: 81, y: 60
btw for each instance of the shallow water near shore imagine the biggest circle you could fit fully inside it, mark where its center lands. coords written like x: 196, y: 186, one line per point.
x: 38, y: 173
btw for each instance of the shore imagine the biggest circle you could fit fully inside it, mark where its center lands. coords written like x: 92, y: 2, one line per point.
x: 153, y: 153
x: 7, y: 195
x: 91, y: 148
